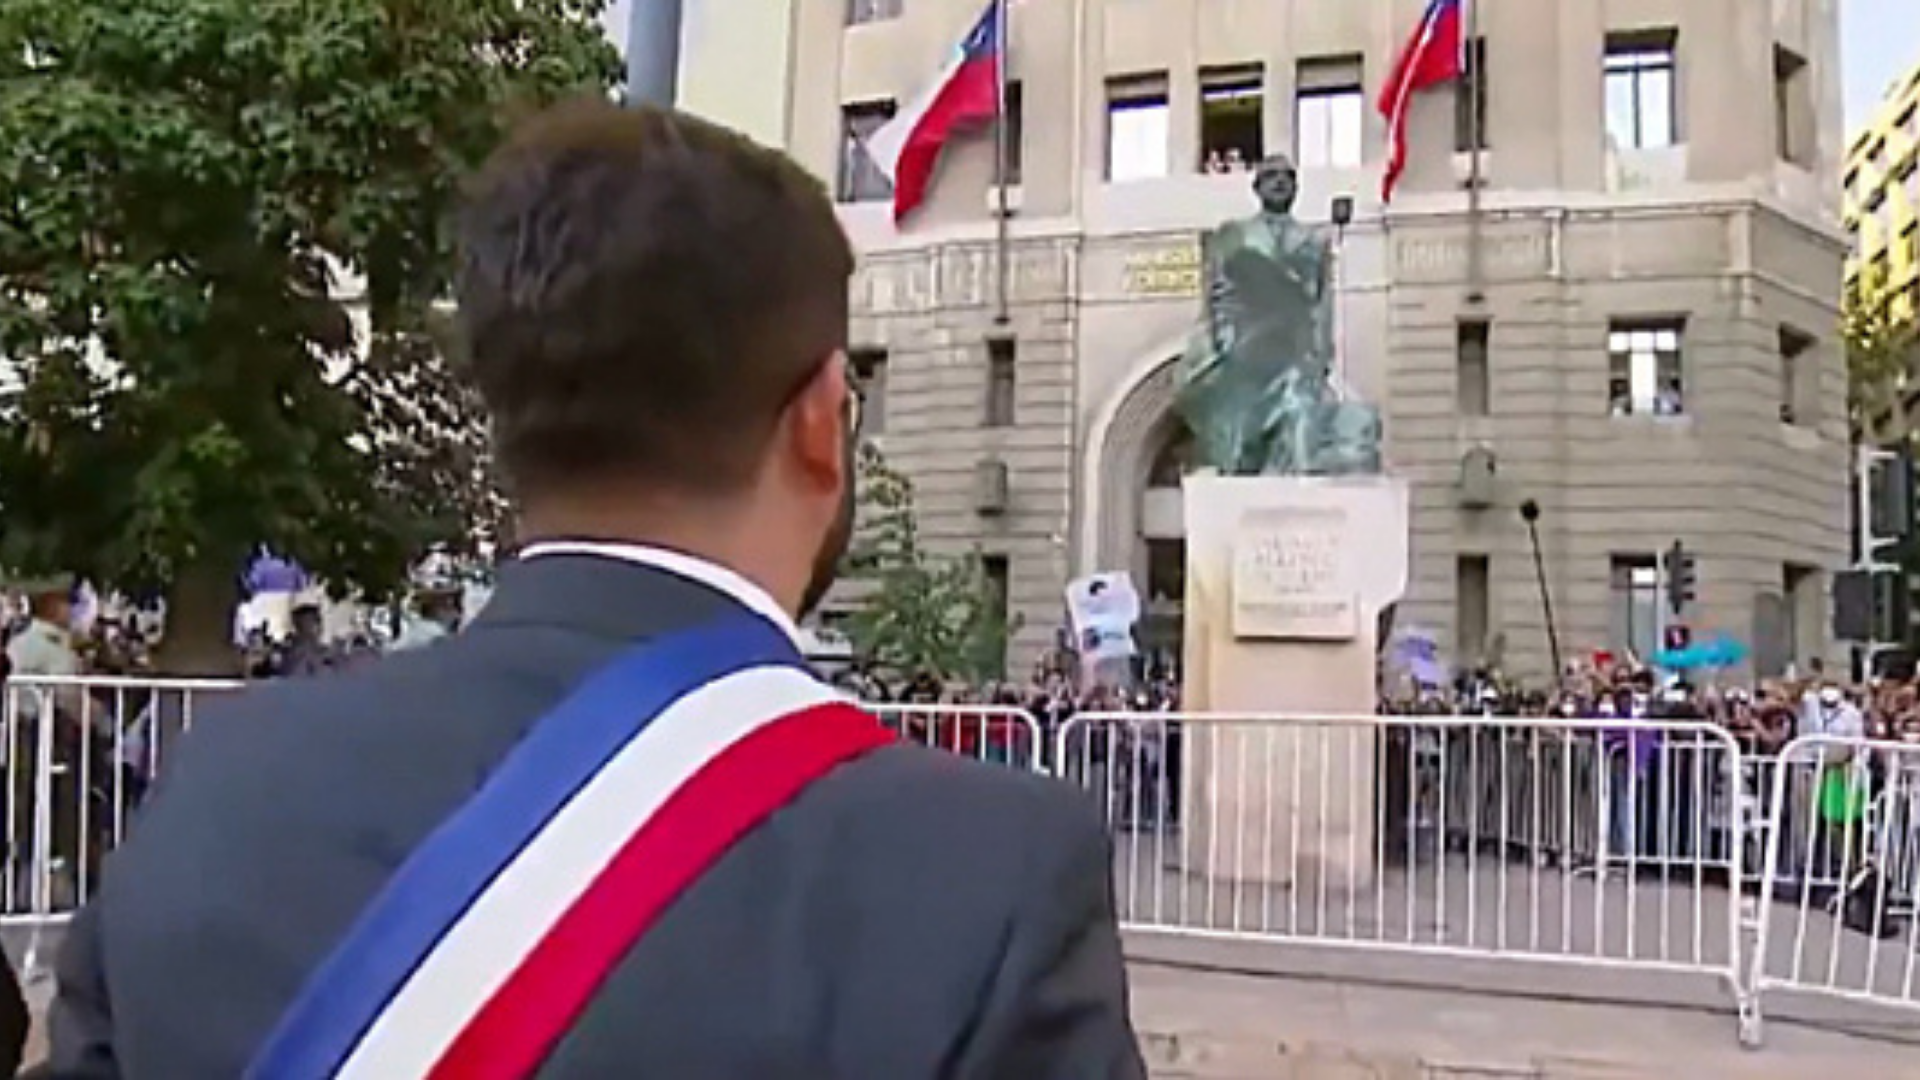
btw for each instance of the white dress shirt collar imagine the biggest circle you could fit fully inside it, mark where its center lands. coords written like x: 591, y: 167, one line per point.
x: 710, y: 574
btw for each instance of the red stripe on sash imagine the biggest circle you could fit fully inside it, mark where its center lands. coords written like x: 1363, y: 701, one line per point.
x: 727, y: 797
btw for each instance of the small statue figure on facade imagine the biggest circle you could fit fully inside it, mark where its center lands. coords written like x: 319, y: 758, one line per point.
x: 1257, y: 384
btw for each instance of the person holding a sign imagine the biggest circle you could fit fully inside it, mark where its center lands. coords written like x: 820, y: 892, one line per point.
x: 615, y: 827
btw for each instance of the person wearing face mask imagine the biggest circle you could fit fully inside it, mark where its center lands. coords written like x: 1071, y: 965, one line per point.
x: 616, y: 826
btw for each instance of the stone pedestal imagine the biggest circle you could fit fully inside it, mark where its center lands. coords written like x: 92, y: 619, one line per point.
x: 1286, y: 581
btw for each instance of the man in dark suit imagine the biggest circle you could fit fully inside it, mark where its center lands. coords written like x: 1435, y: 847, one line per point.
x: 656, y: 311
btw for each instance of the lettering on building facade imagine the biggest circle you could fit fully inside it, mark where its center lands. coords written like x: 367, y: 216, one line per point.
x: 1171, y: 271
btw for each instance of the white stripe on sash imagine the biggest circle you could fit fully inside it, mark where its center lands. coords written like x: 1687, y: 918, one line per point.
x: 489, y: 942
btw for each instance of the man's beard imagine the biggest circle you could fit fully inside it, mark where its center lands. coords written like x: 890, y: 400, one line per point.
x: 833, y: 546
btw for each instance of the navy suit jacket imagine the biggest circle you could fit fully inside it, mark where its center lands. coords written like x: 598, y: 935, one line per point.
x: 911, y: 915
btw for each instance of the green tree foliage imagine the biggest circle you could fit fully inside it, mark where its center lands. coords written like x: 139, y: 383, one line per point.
x: 920, y: 610
x: 192, y: 193
x: 1881, y: 351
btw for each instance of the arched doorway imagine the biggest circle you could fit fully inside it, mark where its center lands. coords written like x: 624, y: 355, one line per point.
x: 1132, y: 517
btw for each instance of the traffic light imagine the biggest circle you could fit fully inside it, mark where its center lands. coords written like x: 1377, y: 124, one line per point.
x: 1682, y: 583
x: 1853, y: 606
x: 1871, y: 608
x: 1871, y: 601
x: 1889, y: 477
x: 1678, y: 637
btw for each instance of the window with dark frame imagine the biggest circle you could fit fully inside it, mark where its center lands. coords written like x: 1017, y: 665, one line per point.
x: 1329, y: 113
x: 860, y: 180
x: 1016, y: 133
x: 1232, y: 113
x: 866, y: 11
x: 1640, y: 81
x: 870, y: 372
x: 1645, y: 377
x: 1792, y: 106
x: 1474, y: 386
x: 1470, y: 99
x: 1633, y: 604
x: 1796, y: 375
x: 996, y: 572
x: 1002, y: 384
x: 1472, y: 606
x: 1137, y: 128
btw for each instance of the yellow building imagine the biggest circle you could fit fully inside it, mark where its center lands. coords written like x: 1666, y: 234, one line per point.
x: 1882, y: 208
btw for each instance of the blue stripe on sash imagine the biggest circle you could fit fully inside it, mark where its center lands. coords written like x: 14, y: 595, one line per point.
x: 455, y: 863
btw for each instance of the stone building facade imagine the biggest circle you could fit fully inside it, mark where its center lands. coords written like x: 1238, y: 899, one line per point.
x: 1631, y: 320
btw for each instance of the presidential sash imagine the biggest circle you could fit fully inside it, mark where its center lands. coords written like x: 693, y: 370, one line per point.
x: 493, y: 935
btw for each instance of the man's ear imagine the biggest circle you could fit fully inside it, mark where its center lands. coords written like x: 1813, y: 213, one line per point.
x: 816, y: 423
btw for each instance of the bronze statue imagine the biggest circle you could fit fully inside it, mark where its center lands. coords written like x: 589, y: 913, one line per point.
x: 1256, y: 385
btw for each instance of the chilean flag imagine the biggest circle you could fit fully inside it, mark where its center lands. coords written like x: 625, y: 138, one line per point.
x: 1436, y: 54
x: 966, y: 95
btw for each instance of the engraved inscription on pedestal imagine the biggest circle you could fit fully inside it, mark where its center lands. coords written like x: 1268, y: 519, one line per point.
x: 1291, y: 576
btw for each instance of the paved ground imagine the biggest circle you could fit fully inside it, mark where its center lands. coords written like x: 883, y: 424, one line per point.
x: 1231, y: 1011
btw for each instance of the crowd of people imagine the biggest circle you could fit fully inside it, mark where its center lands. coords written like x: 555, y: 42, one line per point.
x: 1764, y: 715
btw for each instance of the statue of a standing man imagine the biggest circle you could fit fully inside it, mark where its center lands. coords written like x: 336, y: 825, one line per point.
x: 1257, y: 383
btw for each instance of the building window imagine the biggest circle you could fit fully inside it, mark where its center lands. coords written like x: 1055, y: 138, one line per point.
x: 1470, y: 99
x: 1137, y: 128
x: 1639, y: 87
x: 866, y: 11
x: 1803, y: 600
x: 1016, y: 134
x: 1472, y: 608
x: 1474, y: 386
x: 1329, y: 111
x: 1001, y: 385
x: 870, y: 372
x: 1793, y: 106
x: 1230, y: 118
x: 1644, y: 369
x: 860, y: 179
x: 1797, y: 377
x: 1634, y: 605
x: 996, y: 573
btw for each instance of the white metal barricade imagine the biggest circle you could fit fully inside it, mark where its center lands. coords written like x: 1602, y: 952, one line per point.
x: 1541, y: 839
x: 1005, y: 734
x: 1842, y: 873
x: 79, y: 753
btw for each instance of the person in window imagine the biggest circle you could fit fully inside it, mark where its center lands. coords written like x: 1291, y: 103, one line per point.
x: 1619, y: 399
x: 1668, y: 401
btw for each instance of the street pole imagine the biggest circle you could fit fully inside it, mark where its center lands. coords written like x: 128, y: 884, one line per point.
x: 653, y: 51
x: 1530, y: 513
x: 1002, y: 216
x: 1474, y: 60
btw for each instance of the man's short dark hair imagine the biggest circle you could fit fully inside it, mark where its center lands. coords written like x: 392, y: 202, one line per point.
x: 641, y: 293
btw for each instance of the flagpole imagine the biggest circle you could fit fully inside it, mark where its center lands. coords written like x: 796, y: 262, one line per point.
x: 1001, y: 215
x: 1476, y: 57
